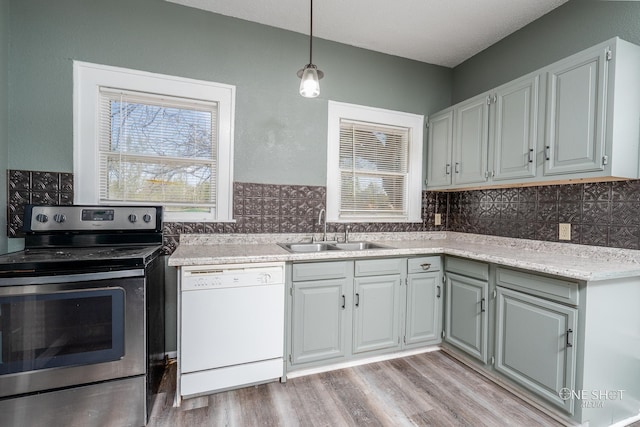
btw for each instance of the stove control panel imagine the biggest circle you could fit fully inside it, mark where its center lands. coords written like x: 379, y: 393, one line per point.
x: 92, y: 218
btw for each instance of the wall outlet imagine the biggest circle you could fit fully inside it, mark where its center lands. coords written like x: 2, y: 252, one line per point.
x: 564, y: 231
x: 437, y: 219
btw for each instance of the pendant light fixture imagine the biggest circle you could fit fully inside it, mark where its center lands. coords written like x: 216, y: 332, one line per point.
x: 310, y: 75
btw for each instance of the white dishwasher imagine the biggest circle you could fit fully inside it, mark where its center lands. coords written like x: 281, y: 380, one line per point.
x: 231, y: 325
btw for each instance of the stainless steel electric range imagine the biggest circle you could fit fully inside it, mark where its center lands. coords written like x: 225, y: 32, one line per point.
x: 82, y: 317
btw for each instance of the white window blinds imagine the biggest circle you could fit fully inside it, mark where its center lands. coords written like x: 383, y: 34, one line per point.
x: 373, y: 170
x: 157, y: 149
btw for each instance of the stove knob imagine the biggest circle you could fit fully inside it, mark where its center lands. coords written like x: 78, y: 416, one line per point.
x: 133, y: 218
x: 146, y: 218
x: 42, y: 218
x: 59, y: 218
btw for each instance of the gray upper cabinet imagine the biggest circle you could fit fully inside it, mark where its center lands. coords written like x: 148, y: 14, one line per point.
x: 440, y: 149
x: 535, y: 344
x: 470, y: 148
x: 514, y: 133
x: 592, y: 112
x: 576, y: 119
x: 495, y: 137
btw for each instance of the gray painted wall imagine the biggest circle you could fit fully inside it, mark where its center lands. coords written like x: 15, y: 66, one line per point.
x: 574, y: 26
x: 4, y: 136
x: 280, y: 137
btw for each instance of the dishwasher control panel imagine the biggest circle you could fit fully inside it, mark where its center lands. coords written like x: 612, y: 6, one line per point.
x: 231, y: 275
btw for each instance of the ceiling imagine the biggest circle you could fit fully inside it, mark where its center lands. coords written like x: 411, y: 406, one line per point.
x: 442, y: 32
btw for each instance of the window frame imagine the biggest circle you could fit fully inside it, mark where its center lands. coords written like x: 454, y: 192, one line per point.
x: 87, y: 80
x: 413, y: 195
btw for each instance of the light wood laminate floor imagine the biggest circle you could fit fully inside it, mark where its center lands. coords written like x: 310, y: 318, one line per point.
x: 429, y: 389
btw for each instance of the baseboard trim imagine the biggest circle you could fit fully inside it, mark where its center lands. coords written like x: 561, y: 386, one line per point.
x: 359, y: 362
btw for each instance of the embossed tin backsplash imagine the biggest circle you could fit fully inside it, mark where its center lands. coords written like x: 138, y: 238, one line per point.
x: 34, y: 187
x: 601, y: 214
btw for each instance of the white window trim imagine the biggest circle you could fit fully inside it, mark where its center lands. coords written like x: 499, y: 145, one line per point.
x: 340, y: 110
x: 87, y: 79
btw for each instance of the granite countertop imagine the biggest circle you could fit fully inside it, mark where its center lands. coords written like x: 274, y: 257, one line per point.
x: 580, y: 262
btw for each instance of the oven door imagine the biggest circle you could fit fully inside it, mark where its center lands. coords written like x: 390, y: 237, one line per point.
x: 59, y: 331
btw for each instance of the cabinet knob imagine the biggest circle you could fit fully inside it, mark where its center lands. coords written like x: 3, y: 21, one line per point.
x: 425, y: 266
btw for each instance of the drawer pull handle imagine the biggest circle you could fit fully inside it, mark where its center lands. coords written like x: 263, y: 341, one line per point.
x: 447, y: 169
x: 530, y: 155
x: 546, y: 152
x: 357, y: 300
x: 438, y: 292
x: 569, y: 332
x: 344, y: 302
x: 425, y: 266
x: 457, y: 168
x: 482, y: 310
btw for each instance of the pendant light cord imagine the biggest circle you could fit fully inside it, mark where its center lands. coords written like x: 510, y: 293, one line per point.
x: 311, y: 36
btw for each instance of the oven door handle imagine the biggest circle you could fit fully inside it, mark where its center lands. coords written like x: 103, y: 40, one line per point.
x: 71, y: 278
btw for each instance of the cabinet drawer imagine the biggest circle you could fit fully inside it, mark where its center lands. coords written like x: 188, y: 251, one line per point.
x: 560, y: 290
x: 423, y: 264
x: 378, y: 267
x: 476, y: 269
x: 320, y: 270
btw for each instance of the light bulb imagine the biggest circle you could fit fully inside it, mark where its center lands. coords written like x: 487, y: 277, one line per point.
x: 309, y: 83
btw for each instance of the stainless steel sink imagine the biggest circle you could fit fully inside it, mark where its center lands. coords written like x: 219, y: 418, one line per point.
x: 360, y: 246
x: 323, y: 246
x: 308, y: 247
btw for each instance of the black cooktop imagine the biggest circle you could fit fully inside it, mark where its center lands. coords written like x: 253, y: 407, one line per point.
x: 53, y: 261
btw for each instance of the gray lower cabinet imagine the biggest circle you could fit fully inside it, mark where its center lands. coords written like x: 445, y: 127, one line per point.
x: 376, y: 313
x: 535, y: 344
x: 356, y: 308
x: 319, y: 313
x: 318, y: 319
x: 466, y: 324
x: 423, y: 322
x: 376, y: 304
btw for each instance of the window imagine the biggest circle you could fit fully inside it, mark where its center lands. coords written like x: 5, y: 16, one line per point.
x: 374, y: 165
x: 143, y: 138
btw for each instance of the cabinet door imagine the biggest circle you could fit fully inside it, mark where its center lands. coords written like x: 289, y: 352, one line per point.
x: 439, y: 149
x: 535, y: 344
x: 466, y: 315
x: 471, y: 141
x: 515, y: 130
x: 575, y: 114
x: 376, y: 313
x: 424, y: 308
x: 318, y: 320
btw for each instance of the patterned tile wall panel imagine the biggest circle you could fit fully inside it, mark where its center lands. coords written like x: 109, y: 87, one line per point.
x: 34, y: 187
x: 601, y: 214
x: 269, y: 208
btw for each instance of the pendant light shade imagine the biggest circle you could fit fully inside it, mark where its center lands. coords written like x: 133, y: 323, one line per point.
x: 310, y: 75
